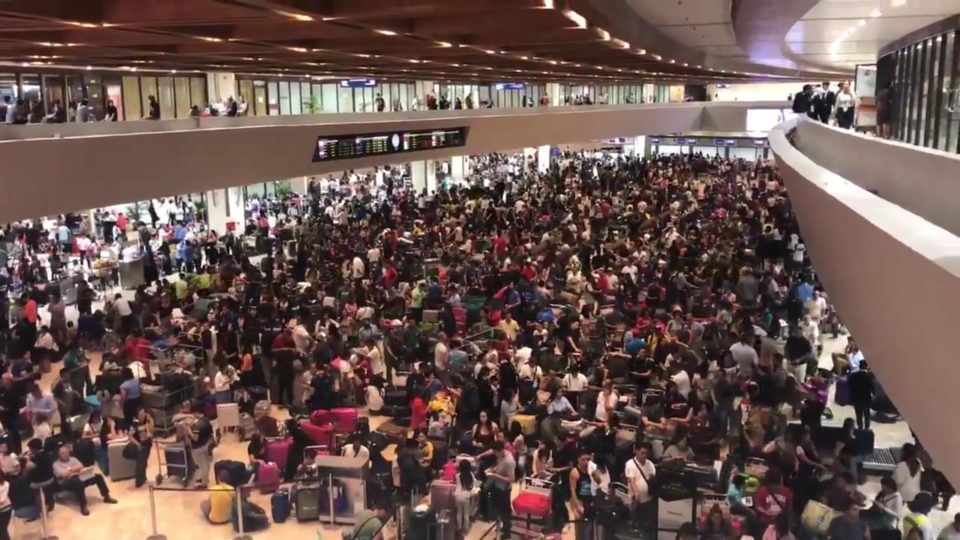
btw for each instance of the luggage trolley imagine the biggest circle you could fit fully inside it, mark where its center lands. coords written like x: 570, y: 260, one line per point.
x: 174, y: 460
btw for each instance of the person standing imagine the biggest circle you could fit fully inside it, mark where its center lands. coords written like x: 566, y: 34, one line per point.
x: 581, y: 497
x: 639, y: 472
x: 823, y: 102
x: 846, y: 102
x: 861, y: 394
x: 110, y: 113
x: 502, y: 476
x: 153, y: 108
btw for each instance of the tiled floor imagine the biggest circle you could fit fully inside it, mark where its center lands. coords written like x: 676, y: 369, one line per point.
x: 178, y: 516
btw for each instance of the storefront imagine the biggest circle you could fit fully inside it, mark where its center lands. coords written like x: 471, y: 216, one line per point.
x: 925, y: 70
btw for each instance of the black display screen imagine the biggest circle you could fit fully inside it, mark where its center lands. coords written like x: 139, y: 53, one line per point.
x: 378, y: 144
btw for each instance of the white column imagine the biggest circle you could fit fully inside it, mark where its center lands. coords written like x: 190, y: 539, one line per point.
x: 422, y: 90
x: 543, y: 158
x: 224, y: 207
x: 220, y: 86
x: 458, y: 168
x: 424, y: 176
x: 637, y: 146
x: 300, y: 184
x: 553, y: 90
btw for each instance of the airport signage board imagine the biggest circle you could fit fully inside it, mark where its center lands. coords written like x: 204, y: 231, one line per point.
x: 377, y: 144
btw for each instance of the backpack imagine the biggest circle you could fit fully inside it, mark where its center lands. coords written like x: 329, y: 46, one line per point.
x: 470, y: 400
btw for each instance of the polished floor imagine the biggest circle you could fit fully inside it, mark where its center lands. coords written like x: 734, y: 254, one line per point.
x: 178, y: 516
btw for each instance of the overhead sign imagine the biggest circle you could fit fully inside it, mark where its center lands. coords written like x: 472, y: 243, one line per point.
x: 509, y: 86
x: 358, y: 83
x: 377, y: 144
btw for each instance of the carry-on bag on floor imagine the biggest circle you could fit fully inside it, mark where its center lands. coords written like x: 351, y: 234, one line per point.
x: 280, y: 506
x: 236, y: 471
x: 228, y: 415
x: 268, y: 477
x: 842, y: 395
x: 344, y: 420
x: 175, y: 458
x: 320, y: 417
x: 397, y: 398
x: 320, y: 435
x: 441, y: 496
x: 120, y: 467
x: 308, y: 501
x: 278, y: 450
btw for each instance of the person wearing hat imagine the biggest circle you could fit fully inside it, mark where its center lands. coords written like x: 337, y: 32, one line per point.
x: 917, y: 525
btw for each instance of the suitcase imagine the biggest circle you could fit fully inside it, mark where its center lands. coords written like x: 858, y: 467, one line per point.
x: 320, y: 417
x: 175, y: 458
x: 318, y: 435
x: 236, y: 471
x: 363, y: 426
x: 268, y: 477
x: 228, y: 415
x: 120, y: 467
x: 259, y: 393
x: 280, y: 506
x: 262, y: 408
x: 842, y: 395
x: 247, y: 426
x: 396, y: 411
x: 344, y: 420
x: 268, y: 426
x: 153, y: 396
x: 528, y: 423
x: 393, y: 432
x: 397, y: 398
x: 278, y: 450
x: 308, y: 501
x: 441, y: 496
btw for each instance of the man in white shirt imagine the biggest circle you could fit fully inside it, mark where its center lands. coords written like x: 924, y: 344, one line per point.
x: 575, y: 381
x: 441, y: 354
x: 638, y: 472
x: 359, y: 269
x: 301, y: 337
x: 744, y: 355
x: 371, y: 352
x: 682, y: 380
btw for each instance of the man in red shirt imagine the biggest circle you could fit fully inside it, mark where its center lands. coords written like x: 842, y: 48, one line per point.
x: 30, y: 309
x: 500, y: 246
x: 773, y: 498
x: 138, y: 348
x: 389, y: 275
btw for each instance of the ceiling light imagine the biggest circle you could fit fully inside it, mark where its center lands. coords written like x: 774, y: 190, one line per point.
x: 82, y: 24
x: 107, y: 25
x: 604, y: 35
x: 641, y: 51
x: 898, y: 3
x: 524, y: 57
x: 173, y: 71
x: 621, y: 43
x: 577, y: 18
x: 876, y: 13
x: 548, y: 4
x: 657, y: 57
x: 444, y: 44
x: 488, y: 51
x: 295, y: 16
x: 385, y: 32
x: 672, y: 61
x: 862, y: 23
x: 297, y: 49
x: 363, y: 55
x: 413, y: 61
x: 208, y: 38
x: 89, y: 68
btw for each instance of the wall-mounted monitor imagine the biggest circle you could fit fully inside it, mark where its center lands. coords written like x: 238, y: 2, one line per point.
x: 509, y: 86
x: 358, y: 83
x: 377, y: 144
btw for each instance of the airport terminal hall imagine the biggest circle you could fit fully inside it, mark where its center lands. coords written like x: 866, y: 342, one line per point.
x: 479, y: 269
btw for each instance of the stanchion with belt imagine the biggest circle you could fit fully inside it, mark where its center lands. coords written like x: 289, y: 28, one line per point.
x: 154, y: 535
x: 44, y: 527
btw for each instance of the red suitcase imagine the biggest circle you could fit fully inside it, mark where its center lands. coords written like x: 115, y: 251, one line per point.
x: 450, y: 471
x: 344, y: 420
x: 320, y: 417
x: 278, y: 450
x: 319, y: 435
x: 268, y: 477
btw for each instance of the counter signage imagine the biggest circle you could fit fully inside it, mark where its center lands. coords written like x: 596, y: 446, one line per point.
x: 358, y: 83
x: 760, y: 142
x: 509, y: 86
x: 731, y: 142
x: 654, y: 140
x: 377, y: 144
x: 718, y: 142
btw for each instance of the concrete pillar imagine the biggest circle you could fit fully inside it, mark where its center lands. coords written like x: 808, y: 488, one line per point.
x: 459, y: 168
x: 226, y: 207
x: 543, y: 158
x: 220, y: 86
x: 638, y: 147
x: 553, y: 90
x: 300, y: 185
x: 424, y: 175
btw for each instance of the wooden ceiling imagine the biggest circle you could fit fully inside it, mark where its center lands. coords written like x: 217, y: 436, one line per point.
x: 440, y: 40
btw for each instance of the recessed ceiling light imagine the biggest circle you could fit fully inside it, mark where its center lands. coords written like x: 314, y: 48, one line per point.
x: 295, y: 16
x: 862, y: 22
x: 89, y: 68
x: 604, y: 35
x: 385, y: 32
x: 577, y: 19
x: 657, y: 57
x: 488, y: 51
x: 209, y: 38
x: 548, y: 4
x: 898, y: 3
x: 444, y: 44
x: 524, y: 57
x: 82, y: 24
x: 876, y: 13
x: 297, y: 49
x: 621, y: 43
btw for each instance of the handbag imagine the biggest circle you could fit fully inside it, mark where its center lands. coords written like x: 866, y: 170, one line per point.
x: 653, y: 485
x: 816, y: 517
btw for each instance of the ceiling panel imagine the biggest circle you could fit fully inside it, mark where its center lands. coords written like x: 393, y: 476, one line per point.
x: 669, y: 12
x: 702, y: 36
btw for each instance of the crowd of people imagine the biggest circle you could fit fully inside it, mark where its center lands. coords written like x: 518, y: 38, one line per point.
x: 610, y: 328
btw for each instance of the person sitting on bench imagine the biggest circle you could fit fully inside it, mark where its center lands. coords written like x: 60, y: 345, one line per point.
x: 74, y: 478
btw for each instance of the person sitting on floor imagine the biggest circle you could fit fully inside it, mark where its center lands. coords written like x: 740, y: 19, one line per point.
x: 254, y: 517
x: 74, y: 477
x: 219, y: 507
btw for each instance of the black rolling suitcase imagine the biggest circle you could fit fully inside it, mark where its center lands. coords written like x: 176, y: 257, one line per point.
x: 237, y: 471
x: 307, y: 501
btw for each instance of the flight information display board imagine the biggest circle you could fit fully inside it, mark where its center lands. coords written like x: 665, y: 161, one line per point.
x: 378, y: 144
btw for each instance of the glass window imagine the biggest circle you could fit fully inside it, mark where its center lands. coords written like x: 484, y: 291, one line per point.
x: 387, y: 95
x: 53, y: 90
x: 273, y: 100
x: 946, y: 85
x: 95, y: 94
x: 317, y: 97
x: 368, y: 103
x: 953, y: 137
x: 405, y: 98
x: 296, y: 106
x: 284, y: 97
x: 925, y: 74
x: 132, y: 105
x: 260, y: 98
x: 345, y: 100
x: 75, y: 90
x: 306, y: 99
x: 245, y: 93
x: 148, y: 87
x: 330, y: 98
x: 181, y: 92
x: 198, y: 92
x: 165, y: 91
x: 936, y: 96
